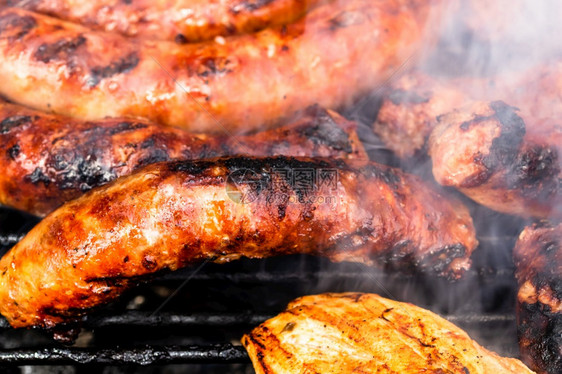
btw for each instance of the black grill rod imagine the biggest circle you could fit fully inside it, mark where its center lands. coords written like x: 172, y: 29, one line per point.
x: 224, y: 353
x: 147, y: 319
x: 10, y: 239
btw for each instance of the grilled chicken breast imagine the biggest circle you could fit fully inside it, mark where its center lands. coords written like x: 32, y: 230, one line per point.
x: 538, y: 260
x: 365, y: 333
x: 340, y: 51
x: 170, y: 215
x: 49, y: 159
x: 500, y: 158
x: 180, y: 20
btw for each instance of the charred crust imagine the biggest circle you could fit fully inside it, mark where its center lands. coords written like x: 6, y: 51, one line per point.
x: 388, y: 175
x: 213, y: 66
x: 154, y: 156
x: 13, y: 152
x: 14, y: 27
x: 14, y: 121
x: 402, y: 259
x: 181, y: 39
x: 439, y: 261
x: 249, y: 6
x: 536, y: 173
x: 149, y: 263
x: 120, y: 66
x: 400, y: 96
x: 194, y: 168
x: 504, y: 148
x: 82, y: 173
x: 540, y: 337
x: 60, y: 50
x: 326, y: 131
x: 125, y: 126
x: 148, y: 143
x: 37, y: 177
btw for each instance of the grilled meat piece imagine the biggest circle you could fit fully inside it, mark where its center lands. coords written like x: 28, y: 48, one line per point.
x: 365, y: 333
x: 49, y: 159
x: 180, y: 20
x: 501, y: 158
x: 538, y: 260
x: 411, y: 105
x: 170, y: 215
x: 340, y: 51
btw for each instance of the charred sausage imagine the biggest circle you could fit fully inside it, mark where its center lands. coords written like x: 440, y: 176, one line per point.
x: 49, y: 159
x: 237, y: 84
x: 170, y: 215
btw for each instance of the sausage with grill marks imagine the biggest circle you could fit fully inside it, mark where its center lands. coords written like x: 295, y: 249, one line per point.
x: 180, y: 20
x: 49, y: 159
x: 340, y: 51
x: 171, y: 215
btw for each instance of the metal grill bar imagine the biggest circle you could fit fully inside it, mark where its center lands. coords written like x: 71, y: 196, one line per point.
x: 146, y: 319
x: 224, y: 353
x: 10, y: 239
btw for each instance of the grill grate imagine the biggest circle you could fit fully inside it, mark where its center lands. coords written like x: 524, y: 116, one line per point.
x: 201, y: 325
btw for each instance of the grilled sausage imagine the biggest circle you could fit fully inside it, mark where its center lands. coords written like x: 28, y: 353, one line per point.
x: 170, y: 215
x: 49, y: 159
x: 500, y: 158
x: 365, y: 333
x: 239, y: 83
x: 538, y: 260
x: 180, y: 20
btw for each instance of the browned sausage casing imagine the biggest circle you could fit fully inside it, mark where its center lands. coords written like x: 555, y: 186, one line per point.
x: 49, y: 159
x: 538, y: 261
x: 180, y: 20
x: 338, y: 52
x: 170, y: 215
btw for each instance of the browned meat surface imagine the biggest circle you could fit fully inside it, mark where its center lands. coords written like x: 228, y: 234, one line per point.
x: 409, y: 110
x: 180, y: 20
x: 412, y: 104
x: 500, y: 158
x: 49, y: 159
x: 538, y: 258
x: 239, y: 83
x: 170, y: 215
x: 365, y: 333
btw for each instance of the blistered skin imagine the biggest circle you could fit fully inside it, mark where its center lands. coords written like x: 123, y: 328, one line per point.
x: 170, y: 215
x: 238, y: 83
x: 49, y: 159
x: 501, y: 158
x: 366, y: 333
x: 538, y: 260
x: 180, y: 20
